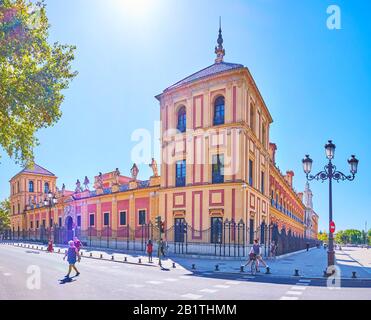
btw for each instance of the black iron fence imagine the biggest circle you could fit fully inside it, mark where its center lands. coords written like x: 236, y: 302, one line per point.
x: 223, y: 238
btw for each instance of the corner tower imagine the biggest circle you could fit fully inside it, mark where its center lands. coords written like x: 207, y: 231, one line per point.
x: 28, y: 187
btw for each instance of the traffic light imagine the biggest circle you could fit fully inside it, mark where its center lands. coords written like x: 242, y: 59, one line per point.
x: 162, y: 228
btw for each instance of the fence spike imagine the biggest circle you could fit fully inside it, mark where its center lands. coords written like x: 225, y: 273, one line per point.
x: 216, y: 267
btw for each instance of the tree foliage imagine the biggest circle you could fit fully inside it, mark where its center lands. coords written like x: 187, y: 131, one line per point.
x: 351, y: 236
x: 4, y: 215
x: 322, y: 236
x: 33, y: 74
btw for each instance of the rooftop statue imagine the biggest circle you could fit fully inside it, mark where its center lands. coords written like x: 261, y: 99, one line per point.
x: 153, y: 165
x: 134, y: 172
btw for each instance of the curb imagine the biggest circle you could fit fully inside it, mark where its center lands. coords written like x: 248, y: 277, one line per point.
x: 95, y: 258
x: 262, y: 274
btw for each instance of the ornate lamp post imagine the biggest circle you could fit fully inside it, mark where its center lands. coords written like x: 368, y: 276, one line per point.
x: 50, y: 201
x: 330, y: 173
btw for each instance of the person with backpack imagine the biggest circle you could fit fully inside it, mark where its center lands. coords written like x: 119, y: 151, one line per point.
x: 149, y: 250
x: 72, y: 255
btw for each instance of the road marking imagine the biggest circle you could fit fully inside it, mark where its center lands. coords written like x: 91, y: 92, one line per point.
x: 154, y: 282
x: 289, y: 298
x: 208, y: 290
x: 171, y: 280
x: 302, y: 284
x: 298, y: 287
x: 304, y: 280
x: 221, y: 286
x: 295, y: 293
x: 191, y: 296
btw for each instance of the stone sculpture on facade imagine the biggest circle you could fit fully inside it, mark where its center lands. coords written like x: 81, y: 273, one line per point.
x: 134, y: 172
x: 153, y: 166
x: 78, y: 186
x: 116, y: 175
x: 100, y: 181
x: 86, y: 183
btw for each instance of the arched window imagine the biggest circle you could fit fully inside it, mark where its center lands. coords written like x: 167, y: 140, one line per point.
x: 30, y: 186
x: 182, y: 119
x: 46, y: 187
x: 219, y: 108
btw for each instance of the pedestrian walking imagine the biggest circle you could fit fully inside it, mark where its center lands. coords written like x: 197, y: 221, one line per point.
x: 72, y: 255
x: 77, y: 243
x: 257, y: 251
x: 307, y: 246
x: 50, y: 246
x: 149, y: 250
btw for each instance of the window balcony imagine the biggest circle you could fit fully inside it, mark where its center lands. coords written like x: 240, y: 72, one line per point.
x: 180, y: 182
x: 218, y: 178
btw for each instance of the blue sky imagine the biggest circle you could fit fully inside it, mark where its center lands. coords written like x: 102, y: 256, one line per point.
x: 315, y: 81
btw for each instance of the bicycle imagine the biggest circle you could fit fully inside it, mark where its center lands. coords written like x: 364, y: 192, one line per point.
x: 254, y: 265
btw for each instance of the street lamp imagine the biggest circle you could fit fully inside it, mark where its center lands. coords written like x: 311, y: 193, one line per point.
x: 330, y: 173
x: 50, y: 201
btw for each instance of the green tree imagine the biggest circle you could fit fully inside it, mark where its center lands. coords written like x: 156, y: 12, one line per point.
x: 341, y: 237
x: 369, y: 237
x: 33, y: 74
x: 353, y: 236
x: 4, y: 215
x: 322, y: 236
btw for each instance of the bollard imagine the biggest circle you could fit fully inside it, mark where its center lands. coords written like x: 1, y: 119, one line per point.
x: 101, y: 256
x: 91, y: 254
x: 125, y: 259
x: 82, y: 253
x: 112, y: 258
x: 216, y: 267
x: 174, y: 265
x: 140, y: 260
x: 268, y: 270
x: 242, y: 269
x: 296, y: 274
x: 354, y: 276
x: 193, y: 267
x: 59, y: 250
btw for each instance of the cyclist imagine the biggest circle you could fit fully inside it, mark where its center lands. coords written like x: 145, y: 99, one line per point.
x: 257, y: 251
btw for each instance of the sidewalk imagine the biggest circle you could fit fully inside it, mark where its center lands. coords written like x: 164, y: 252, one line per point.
x: 311, y: 264
x: 111, y: 255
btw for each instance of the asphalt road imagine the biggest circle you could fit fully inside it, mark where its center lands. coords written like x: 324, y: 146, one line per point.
x: 111, y: 280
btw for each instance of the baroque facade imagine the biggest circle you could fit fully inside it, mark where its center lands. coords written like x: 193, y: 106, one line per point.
x: 217, y: 166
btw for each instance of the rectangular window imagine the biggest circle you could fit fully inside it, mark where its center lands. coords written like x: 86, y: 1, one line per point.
x: 37, y: 224
x: 180, y: 173
x: 106, y: 219
x: 251, y: 173
x: 122, y: 218
x: 30, y: 186
x: 31, y: 224
x: 92, y: 220
x: 51, y: 222
x: 60, y: 221
x: 218, y: 168
x: 19, y: 208
x: 44, y: 223
x: 79, y: 221
x: 262, y: 182
x: 142, y: 217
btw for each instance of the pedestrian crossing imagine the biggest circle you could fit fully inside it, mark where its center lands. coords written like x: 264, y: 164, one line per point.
x: 297, y: 290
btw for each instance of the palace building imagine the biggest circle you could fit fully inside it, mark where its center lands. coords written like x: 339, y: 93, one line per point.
x: 219, y: 182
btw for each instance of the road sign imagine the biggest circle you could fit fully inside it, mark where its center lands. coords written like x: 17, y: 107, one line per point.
x: 332, y: 226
